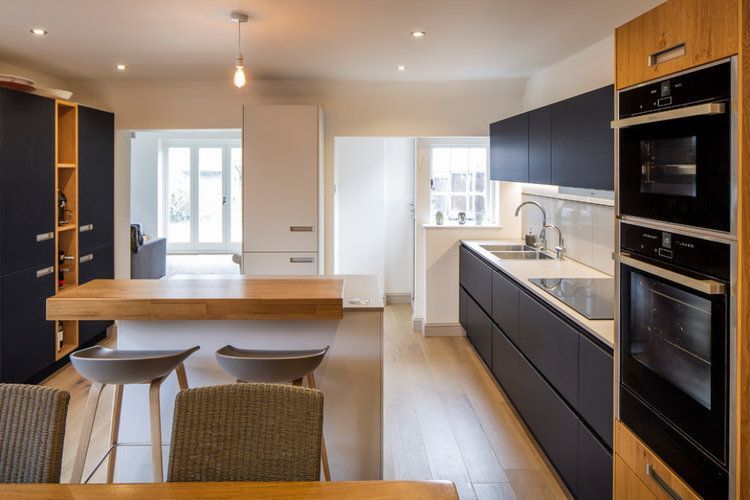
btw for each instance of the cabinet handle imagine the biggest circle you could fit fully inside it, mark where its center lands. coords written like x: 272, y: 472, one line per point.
x: 45, y: 236
x: 87, y: 227
x: 651, y: 472
x: 666, y: 55
x: 44, y: 272
x: 301, y: 229
x: 301, y: 260
x: 86, y: 258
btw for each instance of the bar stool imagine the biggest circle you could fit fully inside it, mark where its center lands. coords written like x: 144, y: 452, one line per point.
x: 275, y: 367
x: 104, y: 367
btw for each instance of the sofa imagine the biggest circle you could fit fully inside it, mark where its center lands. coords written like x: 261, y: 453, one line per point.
x: 151, y: 260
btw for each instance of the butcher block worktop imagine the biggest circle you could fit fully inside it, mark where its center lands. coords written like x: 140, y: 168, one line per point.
x: 201, y: 299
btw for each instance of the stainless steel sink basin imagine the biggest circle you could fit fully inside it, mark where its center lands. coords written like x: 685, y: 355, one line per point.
x: 522, y: 255
x: 507, y: 248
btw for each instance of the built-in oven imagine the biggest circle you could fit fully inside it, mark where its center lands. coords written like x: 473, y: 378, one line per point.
x: 674, y: 327
x: 675, y: 138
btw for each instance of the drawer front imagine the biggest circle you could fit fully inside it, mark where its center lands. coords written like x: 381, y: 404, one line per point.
x: 594, y: 467
x: 595, y: 388
x: 279, y: 264
x: 552, y: 346
x: 628, y: 486
x: 479, y: 284
x: 649, y: 468
x: 505, y: 305
x: 463, y: 267
x: 675, y: 36
x: 462, y: 299
x: 479, y: 331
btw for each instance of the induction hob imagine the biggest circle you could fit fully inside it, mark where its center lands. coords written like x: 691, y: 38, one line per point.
x: 592, y: 297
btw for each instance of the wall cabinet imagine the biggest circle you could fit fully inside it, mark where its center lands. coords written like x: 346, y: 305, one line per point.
x: 675, y: 36
x: 569, y: 143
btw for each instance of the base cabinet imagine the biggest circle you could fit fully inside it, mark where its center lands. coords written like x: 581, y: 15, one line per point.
x: 479, y: 331
x: 594, y: 467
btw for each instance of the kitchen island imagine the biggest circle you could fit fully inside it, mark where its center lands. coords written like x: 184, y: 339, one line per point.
x: 345, y: 312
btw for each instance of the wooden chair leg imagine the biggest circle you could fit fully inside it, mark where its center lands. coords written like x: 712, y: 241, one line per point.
x: 155, y: 415
x: 86, y: 427
x: 181, y: 376
x: 114, y: 433
x: 323, y: 451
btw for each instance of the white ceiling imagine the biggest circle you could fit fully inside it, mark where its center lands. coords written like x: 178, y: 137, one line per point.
x: 305, y: 39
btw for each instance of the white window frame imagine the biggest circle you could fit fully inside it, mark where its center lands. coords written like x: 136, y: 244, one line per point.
x: 195, y: 246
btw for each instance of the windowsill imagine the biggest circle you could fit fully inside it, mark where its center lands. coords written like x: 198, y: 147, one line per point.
x: 459, y: 226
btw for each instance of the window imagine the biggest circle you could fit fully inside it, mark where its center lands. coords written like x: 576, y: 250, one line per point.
x: 459, y: 183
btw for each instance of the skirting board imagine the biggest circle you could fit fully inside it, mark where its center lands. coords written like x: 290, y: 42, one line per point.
x: 398, y: 298
x: 443, y: 330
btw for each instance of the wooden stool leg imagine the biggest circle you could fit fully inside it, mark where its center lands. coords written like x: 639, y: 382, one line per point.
x: 181, y: 376
x: 323, y: 452
x: 114, y: 433
x: 86, y: 427
x: 155, y: 414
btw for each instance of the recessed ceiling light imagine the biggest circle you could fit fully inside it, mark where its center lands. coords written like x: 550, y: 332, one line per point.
x: 418, y: 34
x: 121, y: 67
x: 38, y: 31
x: 401, y: 68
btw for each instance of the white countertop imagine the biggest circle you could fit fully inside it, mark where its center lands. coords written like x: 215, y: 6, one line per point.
x: 523, y: 270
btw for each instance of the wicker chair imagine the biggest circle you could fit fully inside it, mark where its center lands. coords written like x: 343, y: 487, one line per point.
x: 32, y: 431
x: 246, y: 432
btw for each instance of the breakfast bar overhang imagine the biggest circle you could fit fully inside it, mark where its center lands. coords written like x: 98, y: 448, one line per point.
x: 343, y: 312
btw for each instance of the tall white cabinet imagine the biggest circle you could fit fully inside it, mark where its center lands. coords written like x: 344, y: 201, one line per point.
x: 282, y: 165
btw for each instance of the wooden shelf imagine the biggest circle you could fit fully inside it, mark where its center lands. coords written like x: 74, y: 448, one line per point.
x: 66, y: 349
x: 66, y: 165
x: 66, y: 227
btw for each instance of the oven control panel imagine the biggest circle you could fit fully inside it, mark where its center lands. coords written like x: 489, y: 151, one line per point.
x: 708, y: 257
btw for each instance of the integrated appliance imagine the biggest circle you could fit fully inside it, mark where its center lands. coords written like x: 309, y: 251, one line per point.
x: 675, y: 320
x: 592, y: 297
x: 675, y: 149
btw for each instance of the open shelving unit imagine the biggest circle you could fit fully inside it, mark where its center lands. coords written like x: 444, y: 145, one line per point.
x: 66, y: 234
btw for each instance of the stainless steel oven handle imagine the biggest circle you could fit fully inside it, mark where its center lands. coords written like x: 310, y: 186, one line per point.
x: 711, y: 108
x: 708, y: 287
x: 651, y: 472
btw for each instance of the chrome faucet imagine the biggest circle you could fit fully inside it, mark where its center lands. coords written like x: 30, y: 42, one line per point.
x: 542, y: 242
x: 560, y: 248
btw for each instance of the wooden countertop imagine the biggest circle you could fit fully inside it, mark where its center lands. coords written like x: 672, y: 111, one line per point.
x: 200, y: 299
x: 414, y: 490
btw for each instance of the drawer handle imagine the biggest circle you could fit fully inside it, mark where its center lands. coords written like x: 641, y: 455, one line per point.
x: 301, y: 229
x: 301, y: 260
x: 44, y: 272
x: 87, y: 227
x: 651, y: 472
x: 666, y: 55
x: 86, y: 258
x: 45, y: 236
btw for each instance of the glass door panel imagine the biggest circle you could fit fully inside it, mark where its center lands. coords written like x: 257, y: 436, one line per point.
x: 178, y: 195
x: 210, y: 196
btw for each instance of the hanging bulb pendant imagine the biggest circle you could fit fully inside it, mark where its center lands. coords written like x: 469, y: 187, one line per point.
x: 239, y: 73
x: 239, y: 66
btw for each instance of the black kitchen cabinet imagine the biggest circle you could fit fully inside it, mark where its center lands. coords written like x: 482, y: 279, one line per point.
x: 27, y: 339
x: 509, y: 149
x: 463, y: 266
x: 594, y: 467
x: 583, y: 141
x: 595, y: 393
x: 479, y: 331
x: 551, y: 345
x: 96, y: 264
x: 96, y: 178
x: 479, y: 280
x: 462, y: 301
x: 27, y: 180
x: 505, y: 305
x: 540, y: 159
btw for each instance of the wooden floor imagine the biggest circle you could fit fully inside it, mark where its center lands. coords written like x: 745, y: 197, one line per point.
x: 445, y: 418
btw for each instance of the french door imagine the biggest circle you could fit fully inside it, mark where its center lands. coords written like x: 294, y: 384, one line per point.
x: 202, y: 195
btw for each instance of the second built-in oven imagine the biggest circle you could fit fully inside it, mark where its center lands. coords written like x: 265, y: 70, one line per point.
x: 674, y: 337
x: 675, y: 138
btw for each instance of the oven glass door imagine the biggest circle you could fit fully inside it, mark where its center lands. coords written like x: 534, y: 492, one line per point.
x: 673, y: 341
x: 678, y: 171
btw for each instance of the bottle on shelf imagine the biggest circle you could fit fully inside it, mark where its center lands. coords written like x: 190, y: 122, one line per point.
x: 61, y: 258
x: 60, y: 336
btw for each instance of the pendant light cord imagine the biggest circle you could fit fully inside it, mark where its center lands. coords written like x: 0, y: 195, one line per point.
x: 239, y: 38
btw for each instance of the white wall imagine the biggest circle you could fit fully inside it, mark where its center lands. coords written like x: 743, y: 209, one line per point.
x: 122, y: 204
x: 373, y: 230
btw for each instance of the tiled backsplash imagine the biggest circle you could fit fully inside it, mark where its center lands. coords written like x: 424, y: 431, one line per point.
x: 587, y: 228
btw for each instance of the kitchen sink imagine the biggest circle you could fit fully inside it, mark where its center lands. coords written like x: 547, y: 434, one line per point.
x: 507, y: 248
x: 521, y: 255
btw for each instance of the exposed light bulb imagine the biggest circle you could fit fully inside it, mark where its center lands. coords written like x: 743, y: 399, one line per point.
x: 239, y: 74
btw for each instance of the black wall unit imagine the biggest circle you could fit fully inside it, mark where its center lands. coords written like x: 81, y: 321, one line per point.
x: 27, y: 180
x: 583, y: 140
x: 96, y: 183
x: 559, y: 380
x: 97, y: 264
x: 509, y: 149
x: 569, y: 143
x: 26, y: 337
